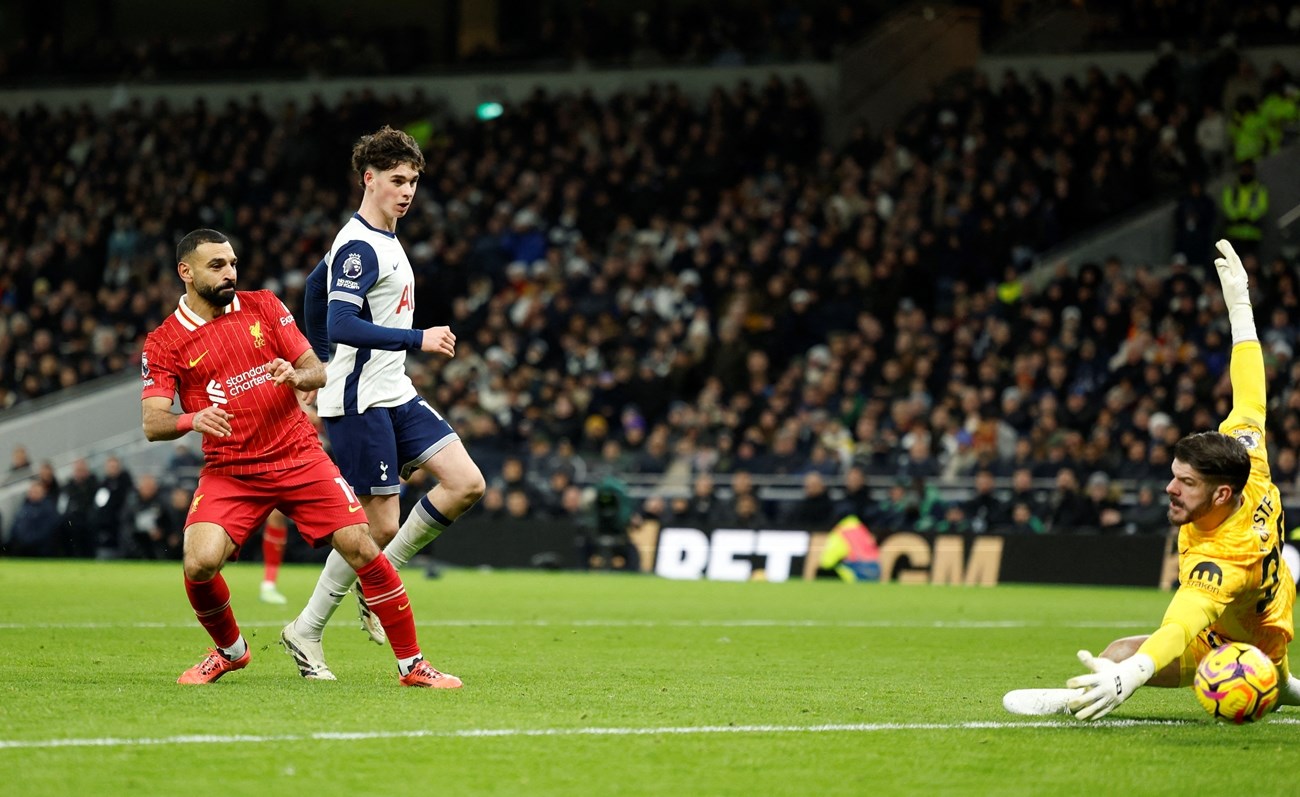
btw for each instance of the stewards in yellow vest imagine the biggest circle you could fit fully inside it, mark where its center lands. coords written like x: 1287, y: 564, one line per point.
x: 1244, y: 204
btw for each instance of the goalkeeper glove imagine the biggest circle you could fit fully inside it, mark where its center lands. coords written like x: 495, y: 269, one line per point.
x: 1108, y: 684
x: 1236, y: 293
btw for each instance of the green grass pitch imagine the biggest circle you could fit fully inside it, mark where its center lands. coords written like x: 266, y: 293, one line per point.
x: 596, y: 685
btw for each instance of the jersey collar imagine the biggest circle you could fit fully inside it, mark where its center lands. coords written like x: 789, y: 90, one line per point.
x: 368, y: 226
x: 192, y: 320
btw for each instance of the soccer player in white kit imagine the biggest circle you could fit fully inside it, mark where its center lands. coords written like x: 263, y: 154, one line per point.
x: 379, y: 427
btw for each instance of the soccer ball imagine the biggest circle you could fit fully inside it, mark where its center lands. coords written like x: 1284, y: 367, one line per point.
x: 1236, y: 683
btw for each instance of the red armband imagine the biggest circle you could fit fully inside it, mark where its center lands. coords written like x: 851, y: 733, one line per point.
x: 185, y: 423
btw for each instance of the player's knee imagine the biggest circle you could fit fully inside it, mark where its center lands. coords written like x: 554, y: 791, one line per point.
x: 383, y: 534
x: 472, y: 487
x: 355, y: 545
x: 200, y: 568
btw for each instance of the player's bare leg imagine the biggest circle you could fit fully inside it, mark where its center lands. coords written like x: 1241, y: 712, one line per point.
x: 207, y: 547
x: 460, y: 485
x: 274, y: 537
x: 386, y: 596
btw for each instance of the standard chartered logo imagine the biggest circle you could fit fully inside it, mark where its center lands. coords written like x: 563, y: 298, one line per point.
x: 220, y: 393
x: 257, y: 375
x: 215, y: 394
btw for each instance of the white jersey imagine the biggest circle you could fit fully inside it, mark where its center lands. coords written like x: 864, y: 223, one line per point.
x: 368, y: 268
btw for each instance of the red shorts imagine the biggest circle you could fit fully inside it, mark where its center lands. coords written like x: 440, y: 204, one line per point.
x: 315, y: 496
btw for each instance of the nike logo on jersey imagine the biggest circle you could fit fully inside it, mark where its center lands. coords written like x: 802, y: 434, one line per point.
x: 404, y: 607
x: 353, y: 508
x: 195, y: 361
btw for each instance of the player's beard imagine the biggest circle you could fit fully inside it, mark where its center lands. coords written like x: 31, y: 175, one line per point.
x: 217, y: 295
x: 1194, y: 513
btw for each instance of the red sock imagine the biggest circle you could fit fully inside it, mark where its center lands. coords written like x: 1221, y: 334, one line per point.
x: 274, y: 537
x: 386, y: 597
x: 211, y: 602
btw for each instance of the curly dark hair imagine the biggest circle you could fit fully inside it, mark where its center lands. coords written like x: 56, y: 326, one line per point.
x: 383, y: 150
x: 1216, y: 456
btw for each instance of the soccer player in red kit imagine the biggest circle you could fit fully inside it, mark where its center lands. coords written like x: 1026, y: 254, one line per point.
x: 274, y: 537
x: 234, y: 359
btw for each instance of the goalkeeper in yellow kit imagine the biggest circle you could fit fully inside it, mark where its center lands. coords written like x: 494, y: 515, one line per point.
x: 1234, y: 585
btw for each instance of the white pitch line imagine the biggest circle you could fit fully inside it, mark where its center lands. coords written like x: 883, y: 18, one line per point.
x: 955, y: 624
x: 494, y: 733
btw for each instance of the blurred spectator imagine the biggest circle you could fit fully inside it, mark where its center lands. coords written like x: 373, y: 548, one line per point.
x: 1149, y: 514
x: 1134, y: 466
x: 551, y: 500
x: 1212, y: 139
x: 898, y: 510
x: 984, y: 509
x: 745, y: 512
x: 857, y: 498
x: 173, y: 521
x: 814, y: 511
x: 1023, y: 520
x: 185, y: 463
x: 1023, y: 492
x: 955, y: 520
x: 145, y: 515
x: 1194, y: 225
x: 493, y: 504
x: 77, y: 507
x: 1069, y: 510
x: 107, y: 515
x: 1244, y: 204
x: 703, y: 509
x: 36, y: 524
x: 46, y: 476
x: 20, y: 465
x: 518, y: 505
x: 573, y: 505
x: 513, y: 477
x: 1104, y: 505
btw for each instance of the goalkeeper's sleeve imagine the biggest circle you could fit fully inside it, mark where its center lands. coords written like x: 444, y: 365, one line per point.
x: 1190, y: 612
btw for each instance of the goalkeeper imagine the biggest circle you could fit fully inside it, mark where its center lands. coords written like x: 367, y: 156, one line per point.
x: 1234, y: 585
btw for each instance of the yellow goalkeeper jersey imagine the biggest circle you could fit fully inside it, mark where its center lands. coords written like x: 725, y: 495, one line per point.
x: 1232, y: 579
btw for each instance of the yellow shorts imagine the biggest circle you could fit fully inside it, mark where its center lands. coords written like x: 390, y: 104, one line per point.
x: 1272, y: 642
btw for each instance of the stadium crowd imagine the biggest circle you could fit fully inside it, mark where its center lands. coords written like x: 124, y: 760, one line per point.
x: 542, y: 36
x: 644, y: 285
x: 1193, y: 24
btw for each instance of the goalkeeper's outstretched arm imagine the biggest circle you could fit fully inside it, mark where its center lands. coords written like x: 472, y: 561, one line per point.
x: 1247, y: 368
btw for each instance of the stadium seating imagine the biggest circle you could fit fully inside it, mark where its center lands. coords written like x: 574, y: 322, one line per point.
x: 646, y: 285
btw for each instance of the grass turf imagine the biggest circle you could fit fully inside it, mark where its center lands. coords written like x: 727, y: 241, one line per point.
x: 594, y: 684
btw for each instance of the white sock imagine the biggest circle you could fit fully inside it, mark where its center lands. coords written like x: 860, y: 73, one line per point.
x: 1289, y: 694
x: 237, y: 650
x: 334, y: 582
x: 268, y: 585
x: 404, y: 666
x: 422, y: 526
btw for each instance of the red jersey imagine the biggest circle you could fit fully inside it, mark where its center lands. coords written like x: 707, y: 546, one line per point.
x: 223, y: 362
